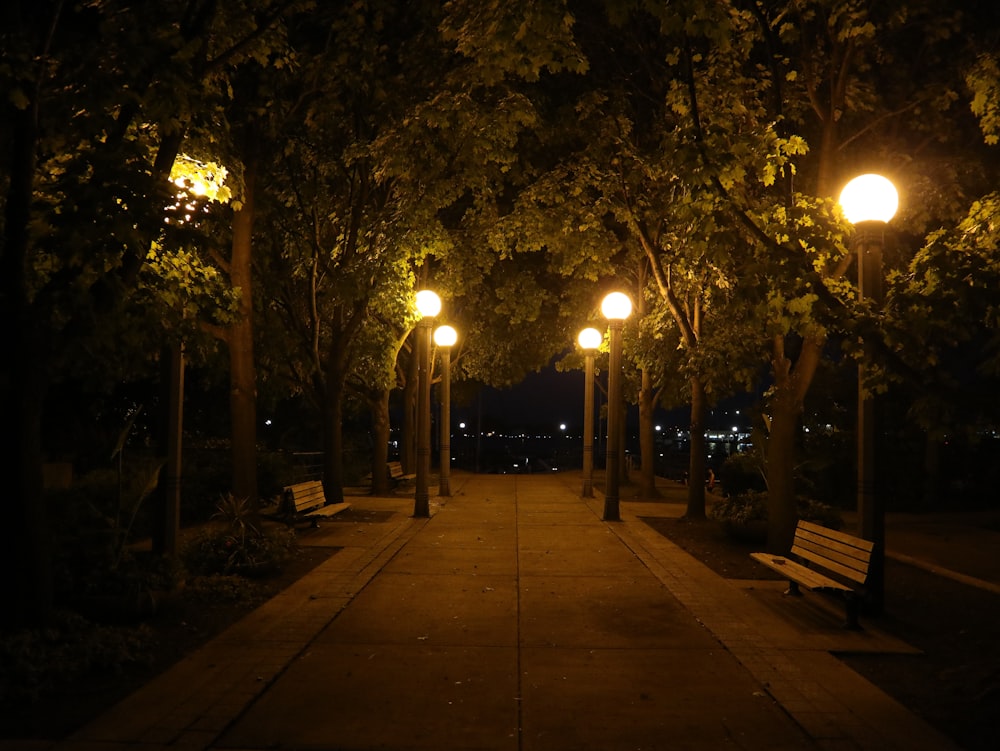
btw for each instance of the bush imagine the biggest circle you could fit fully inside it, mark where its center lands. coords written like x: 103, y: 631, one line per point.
x: 752, y: 506
x: 741, y: 508
x: 236, y: 543
x: 34, y: 662
x: 742, y: 473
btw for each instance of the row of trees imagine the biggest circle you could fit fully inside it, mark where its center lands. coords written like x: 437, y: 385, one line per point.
x: 520, y: 157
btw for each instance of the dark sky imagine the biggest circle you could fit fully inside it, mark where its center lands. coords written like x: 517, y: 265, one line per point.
x: 547, y: 398
x: 544, y: 399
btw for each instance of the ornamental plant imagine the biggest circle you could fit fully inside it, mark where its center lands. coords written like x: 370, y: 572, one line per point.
x: 750, y: 506
x: 236, y: 543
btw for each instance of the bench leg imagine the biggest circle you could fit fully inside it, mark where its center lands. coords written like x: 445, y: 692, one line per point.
x: 793, y: 589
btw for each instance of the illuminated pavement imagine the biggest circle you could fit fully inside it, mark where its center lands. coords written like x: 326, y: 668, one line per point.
x: 515, y: 618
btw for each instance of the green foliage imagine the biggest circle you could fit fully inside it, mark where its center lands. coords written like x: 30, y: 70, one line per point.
x: 984, y: 82
x: 741, y: 508
x: 751, y: 506
x: 942, y: 323
x: 519, y: 38
x: 96, y: 522
x: 742, y: 473
x: 37, y: 661
x: 237, y: 542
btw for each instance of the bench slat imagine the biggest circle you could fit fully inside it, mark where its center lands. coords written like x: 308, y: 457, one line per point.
x: 835, y: 551
x: 841, y: 537
x: 306, y: 495
x: 333, y: 508
x: 830, y: 553
x: 862, y: 554
x: 831, y: 564
x: 396, y: 472
x: 854, y: 560
x: 807, y: 577
x: 308, y: 500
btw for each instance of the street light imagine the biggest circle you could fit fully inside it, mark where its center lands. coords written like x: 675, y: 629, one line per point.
x: 428, y: 305
x: 445, y: 337
x: 589, y: 340
x: 869, y: 202
x: 616, y: 307
x: 195, y: 183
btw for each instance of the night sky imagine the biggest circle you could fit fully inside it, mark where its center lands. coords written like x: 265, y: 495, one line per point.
x: 543, y: 400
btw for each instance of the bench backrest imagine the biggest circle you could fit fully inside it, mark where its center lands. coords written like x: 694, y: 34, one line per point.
x: 838, y: 553
x: 305, y: 495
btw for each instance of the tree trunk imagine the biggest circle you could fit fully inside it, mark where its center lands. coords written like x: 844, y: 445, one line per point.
x: 786, y: 406
x: 408, y: 440
x: 696, y: 461
x: 333, y: 431
x: 380, y: 442
x: 242, y: 375
x: 781, y: 512
x: 333, y: 441
x: 647, y: 441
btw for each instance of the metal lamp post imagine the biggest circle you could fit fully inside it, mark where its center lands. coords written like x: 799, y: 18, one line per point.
x: 428, y: 305
x: 869, y: 202
x: 445, y: 337
x: 589, y: 340
x: 616, y: 307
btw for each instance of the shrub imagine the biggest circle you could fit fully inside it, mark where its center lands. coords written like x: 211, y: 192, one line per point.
x: 741, y: 508
x: 742, y: 473
x: 35, y: 662
x: 236, y: 543
x: 819, y: 513
x: 752, y: 506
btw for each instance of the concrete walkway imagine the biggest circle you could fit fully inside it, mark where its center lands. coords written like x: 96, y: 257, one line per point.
x: 515, y: 618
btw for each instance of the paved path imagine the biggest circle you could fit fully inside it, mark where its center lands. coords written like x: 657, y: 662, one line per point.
x: 515, y: 618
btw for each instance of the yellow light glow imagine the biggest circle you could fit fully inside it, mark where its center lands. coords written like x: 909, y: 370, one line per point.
x: 590, y: 338
x: 445, y: 336
x: 204, y: 179
x: 869, y: 198
x: 428, y: 303
x: 617, y: 306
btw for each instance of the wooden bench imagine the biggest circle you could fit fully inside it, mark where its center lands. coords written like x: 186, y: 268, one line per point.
x: 307, y: 500
x: 397, y: 474
x: 825, y: 561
